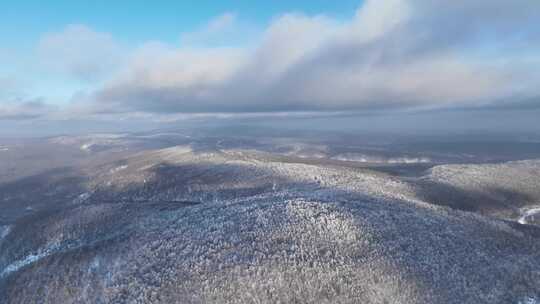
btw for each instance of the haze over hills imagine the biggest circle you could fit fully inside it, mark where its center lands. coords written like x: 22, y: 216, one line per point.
x: 165, y: 217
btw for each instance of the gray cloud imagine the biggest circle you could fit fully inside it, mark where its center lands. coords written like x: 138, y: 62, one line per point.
x: 15, y: 106
x: 25, y: 109
x: 392, y: 54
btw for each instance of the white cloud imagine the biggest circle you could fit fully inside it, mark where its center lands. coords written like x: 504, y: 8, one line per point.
x: 392, y: 54
x: 375, y: 18
x: 80, y: 52
x: 222, y: 30
x: 221, y: 23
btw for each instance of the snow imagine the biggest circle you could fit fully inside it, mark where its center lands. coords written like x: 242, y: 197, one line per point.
x: 220, y: 172
x: 4, y: 231
x: 70, y: 140
x: 293, y: 229
x: 164, y: 134
x: 362, y: 158
x: 307, y: 151
x: 512, y: 184
x: 81, y: 198
x: 528, y: 214
x: 529, y: 300
x: 29, y: 259
x: 87, y: 147
x: 118, y: 169
x: 89, y: 143
x: 409, y: 160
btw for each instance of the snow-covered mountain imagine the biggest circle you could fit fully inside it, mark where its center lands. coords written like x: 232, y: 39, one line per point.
x: 506, y: 190
x: 199, y: 223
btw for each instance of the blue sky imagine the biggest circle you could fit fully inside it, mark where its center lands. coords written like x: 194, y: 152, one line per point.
x: 172, y: 60
x: 136, y: 21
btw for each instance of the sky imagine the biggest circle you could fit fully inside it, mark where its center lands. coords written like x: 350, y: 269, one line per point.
x: 135, y: 63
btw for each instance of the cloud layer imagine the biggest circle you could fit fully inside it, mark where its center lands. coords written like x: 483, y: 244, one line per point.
x: 391, y: 54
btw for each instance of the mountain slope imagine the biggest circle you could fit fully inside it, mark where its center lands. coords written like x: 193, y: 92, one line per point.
x: 230, y: 226
x: 505, y: 190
